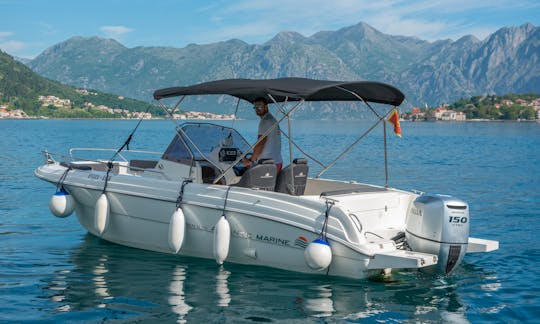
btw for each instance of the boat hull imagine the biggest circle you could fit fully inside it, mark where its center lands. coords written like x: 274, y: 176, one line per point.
x: 267, y: 228
x: 144, y: 223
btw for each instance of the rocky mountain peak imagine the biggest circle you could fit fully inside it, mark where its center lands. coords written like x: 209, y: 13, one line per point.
x: 432, y: 72
x: 287, y: 37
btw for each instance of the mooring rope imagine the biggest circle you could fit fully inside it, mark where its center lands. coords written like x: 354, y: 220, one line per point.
x: 126, y: 144
x: 60, y: 183
x: 225, y: 203
x: 181, y: 193
x: 130, y: 137
x: 324, y: 229
x: 109, y: 168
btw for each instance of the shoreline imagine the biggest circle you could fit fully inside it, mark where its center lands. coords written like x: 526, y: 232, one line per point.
x: 472, y: 120
x: 122, y: 119
x: 336, y: 120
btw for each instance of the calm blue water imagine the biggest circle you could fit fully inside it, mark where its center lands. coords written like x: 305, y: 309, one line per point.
x: 51, y: 270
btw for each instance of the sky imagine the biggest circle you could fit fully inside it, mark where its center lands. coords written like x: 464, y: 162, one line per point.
x: 28, y: 27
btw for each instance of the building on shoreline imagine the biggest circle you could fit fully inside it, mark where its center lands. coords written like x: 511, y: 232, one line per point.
x: 16, y: 113
x: 441, y: 113
x: 54, y: 101
x: 202, y: 115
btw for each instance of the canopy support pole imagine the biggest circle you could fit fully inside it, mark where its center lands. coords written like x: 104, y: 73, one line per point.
x: 303, y: 152
x: 176, y: 106
x: 293, y: 191
x: 380, y: 118
x: 351, y: 146
x: 347, y: 149
x: 259, y: 140
x: 289, y: 137
x: 385, y: 158
x: 361, y: 99
x: 177, y: 129
x: 235, y: 111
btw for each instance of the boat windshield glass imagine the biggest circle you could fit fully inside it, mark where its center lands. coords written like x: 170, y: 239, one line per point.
x: 205, y: 138
x: 177, y: 151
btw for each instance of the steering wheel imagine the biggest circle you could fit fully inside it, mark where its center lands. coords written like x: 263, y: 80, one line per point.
x: 239, y: 168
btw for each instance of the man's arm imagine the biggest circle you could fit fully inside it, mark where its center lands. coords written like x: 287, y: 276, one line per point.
x: 257, y: 150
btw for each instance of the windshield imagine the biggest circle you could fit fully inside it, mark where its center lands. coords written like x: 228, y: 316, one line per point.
x: 205, y: 138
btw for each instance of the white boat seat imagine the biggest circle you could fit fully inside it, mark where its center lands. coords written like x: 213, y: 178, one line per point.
x: 260, y: 176
x: 284, y: 181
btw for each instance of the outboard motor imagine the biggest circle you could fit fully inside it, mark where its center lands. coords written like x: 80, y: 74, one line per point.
x: 439, y: 224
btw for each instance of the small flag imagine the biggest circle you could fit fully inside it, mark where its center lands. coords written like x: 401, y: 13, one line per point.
x: 394, y: 120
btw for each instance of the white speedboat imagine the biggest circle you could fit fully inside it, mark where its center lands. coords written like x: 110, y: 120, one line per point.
x: 194, y: 201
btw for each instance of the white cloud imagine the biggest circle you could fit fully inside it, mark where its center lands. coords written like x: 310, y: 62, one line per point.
x: 409, y: 27
x: 241, y: 31
x: 258, y: 21
x: 46, y: 29
x: 306, y: 16
x: 4, y: 34
x: 427, y: 19
x: 11, y: 46
x: 115, y: 31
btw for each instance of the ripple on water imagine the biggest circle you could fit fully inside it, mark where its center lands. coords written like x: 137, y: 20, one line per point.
x: 52, y: 271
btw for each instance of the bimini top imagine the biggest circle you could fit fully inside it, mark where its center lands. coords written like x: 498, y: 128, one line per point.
x: 292, y: 89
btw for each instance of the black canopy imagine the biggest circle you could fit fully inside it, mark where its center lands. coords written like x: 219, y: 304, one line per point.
x: 292, y: 89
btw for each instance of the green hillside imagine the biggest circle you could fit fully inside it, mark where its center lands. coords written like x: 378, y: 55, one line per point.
x: 507, y: 107
x: 20, y: 88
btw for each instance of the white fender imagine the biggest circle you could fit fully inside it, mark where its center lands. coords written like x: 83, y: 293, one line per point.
x: 101, y: 214
x: 222, y: 238
x: 61, y: 204
x: 177, y: 229
x: 318, y: 254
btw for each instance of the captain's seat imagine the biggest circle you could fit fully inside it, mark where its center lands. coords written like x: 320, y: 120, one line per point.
x: 284, y: 181
x: 260, y: 176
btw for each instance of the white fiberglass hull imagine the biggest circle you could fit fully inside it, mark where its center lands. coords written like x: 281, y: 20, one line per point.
x: 267, y: 228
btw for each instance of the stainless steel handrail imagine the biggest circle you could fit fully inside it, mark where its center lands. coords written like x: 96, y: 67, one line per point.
x: 71, y: 150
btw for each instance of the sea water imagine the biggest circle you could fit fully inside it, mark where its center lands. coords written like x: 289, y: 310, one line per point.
x: 52, y: 270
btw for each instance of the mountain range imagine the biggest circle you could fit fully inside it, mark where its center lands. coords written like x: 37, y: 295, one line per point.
x: 507, y: 61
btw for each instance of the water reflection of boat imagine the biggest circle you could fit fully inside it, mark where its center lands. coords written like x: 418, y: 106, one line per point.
x: 177, y: 299
x: 194, y: 202
x: 103, y: 280
x: 107, y: 276
x: 320, y: 304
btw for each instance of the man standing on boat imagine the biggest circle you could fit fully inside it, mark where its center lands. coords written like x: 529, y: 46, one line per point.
x: 270, y: 146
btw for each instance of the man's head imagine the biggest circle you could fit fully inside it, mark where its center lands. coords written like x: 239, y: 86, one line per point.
x: 260, y: 105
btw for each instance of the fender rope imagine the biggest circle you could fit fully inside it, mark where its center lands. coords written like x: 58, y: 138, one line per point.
x: 60, y: 183
x: 324, y: 229
x: 181, y: 193
x: 225, y: 203
x: 109, y: 168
